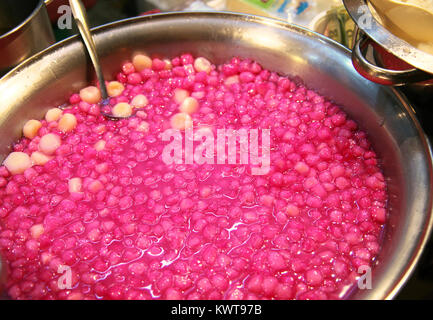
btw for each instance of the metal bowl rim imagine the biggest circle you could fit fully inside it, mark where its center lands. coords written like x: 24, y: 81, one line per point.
x: 421, y: 239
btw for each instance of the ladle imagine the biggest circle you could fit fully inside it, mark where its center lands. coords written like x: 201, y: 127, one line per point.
x: 80, y: 16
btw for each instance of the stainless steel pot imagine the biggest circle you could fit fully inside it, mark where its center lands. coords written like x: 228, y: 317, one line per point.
x: 48, y: 78
x: 25, y: 29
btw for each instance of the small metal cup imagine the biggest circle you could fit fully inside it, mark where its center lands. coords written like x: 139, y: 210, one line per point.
x: 25, y: 29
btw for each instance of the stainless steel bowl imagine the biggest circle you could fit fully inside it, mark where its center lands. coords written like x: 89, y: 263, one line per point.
x: 48, y: 78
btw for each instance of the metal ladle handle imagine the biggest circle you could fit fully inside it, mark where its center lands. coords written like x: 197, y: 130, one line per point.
x: 79, y: 13
x: 381, y: 75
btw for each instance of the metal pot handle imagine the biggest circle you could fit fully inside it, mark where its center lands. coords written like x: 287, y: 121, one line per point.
x: 381, y: 75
